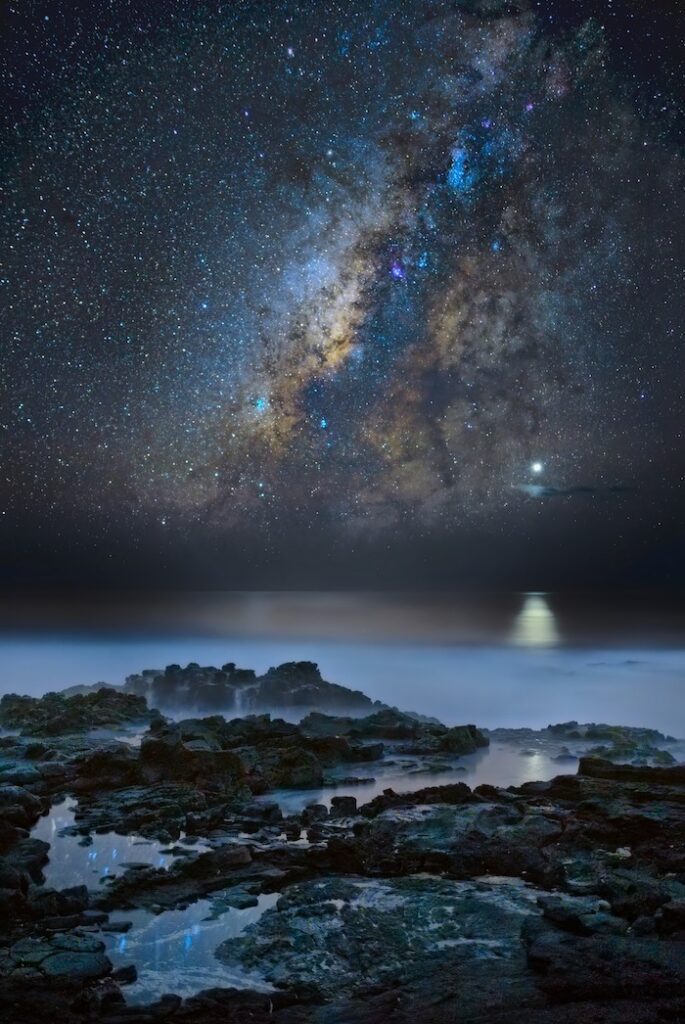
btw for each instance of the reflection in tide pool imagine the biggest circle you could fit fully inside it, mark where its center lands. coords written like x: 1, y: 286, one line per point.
x: 79, y: 860
x: 498, y: 765
x: 531, y: 758
x: 174, y: 951
x: 535, y: 625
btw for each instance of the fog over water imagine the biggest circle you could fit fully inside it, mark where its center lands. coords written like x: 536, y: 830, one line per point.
x: 513, y: 660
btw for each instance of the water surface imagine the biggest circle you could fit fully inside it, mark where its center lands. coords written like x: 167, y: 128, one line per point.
x: 174, y: 951
x: 91, y: 860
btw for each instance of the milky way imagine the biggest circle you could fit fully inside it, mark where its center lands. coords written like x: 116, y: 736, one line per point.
x: 379, y: 272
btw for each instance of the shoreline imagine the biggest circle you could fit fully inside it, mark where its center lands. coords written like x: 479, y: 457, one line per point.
x: 190, y: 860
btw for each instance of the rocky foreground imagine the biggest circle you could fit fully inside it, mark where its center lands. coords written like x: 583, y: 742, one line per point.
x: 559, y: 901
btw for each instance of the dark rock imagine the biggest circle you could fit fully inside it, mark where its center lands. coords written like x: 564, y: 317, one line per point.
x: 671, y: 917
x: 125, y: 975
x: 583, y: 915
x: 314, y: 812
x: 576, y: 968
x: 343, y: 806
x: 292, y: 685
x: 103, y: 998
x: 597, y: 768
x: 456, y: 793
x: 426, y: 940
x: 171, y: 754
x: 56, y: 714
x: 64, y: 959
x: 283, y: 768
x: 644, y: 926
x: 18, y: 806
x: 28, y: 856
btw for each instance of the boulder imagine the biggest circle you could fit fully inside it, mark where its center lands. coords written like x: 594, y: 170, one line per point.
x: 63, y: 960
x: 343, y: 806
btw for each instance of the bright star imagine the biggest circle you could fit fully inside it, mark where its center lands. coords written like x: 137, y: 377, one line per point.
x: 536, y: 467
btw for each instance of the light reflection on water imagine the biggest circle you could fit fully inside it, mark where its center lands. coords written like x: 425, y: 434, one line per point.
x: 490, y: 686
x: 502, y: 764
x: 174, y: 951
x: 498, y: 765
x: 535, y: 625
x: 106, y: 855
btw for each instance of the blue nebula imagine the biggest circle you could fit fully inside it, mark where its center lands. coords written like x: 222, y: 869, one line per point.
x: 479, y: 157
x: 462, y: 175
x: 261, y: 404
x: 323, y: 422
x: 397, y: 270
x: 422, y: 261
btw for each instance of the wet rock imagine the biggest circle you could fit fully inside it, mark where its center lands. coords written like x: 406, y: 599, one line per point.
x: 18, y: 806
x: 343, y: 936
x: 282, y: 768
x: 314, y: 812
x: 343, y: 806
x: 598, y: 768
x: 643, y: 926
x: 116, y: 927
x: 125, y: 975
x: 58, y: 903
x: 56, y: 714
x: 160, y: 811
x: 28, y: 856
x: 169, y: 754
x: 335, y: 750
x: 582, y: 915
x: 101, y: 999
x: 262, y: 811
x: 63, y: 960
x: 238, y: 896
x: 457, y: 793
x: 111, y: 765
x: 671, y: 917
x: 575, y: 968
x: 292, y: 685
x: 14, y: 772
x: 10, y: 834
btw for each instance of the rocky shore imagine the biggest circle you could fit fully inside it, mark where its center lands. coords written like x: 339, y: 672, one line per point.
x: 555, y: 901
x: 293, y: 686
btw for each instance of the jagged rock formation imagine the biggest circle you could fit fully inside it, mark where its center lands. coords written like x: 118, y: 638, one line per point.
x: 293, y: 686
x: 421, y: 735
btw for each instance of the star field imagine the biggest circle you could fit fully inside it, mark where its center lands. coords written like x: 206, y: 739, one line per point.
x: 379, y: 273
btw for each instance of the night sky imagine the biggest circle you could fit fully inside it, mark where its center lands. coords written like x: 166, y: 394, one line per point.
x: 342, y: 293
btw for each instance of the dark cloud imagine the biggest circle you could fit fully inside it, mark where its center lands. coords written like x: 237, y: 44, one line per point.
x: 589, y: 490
